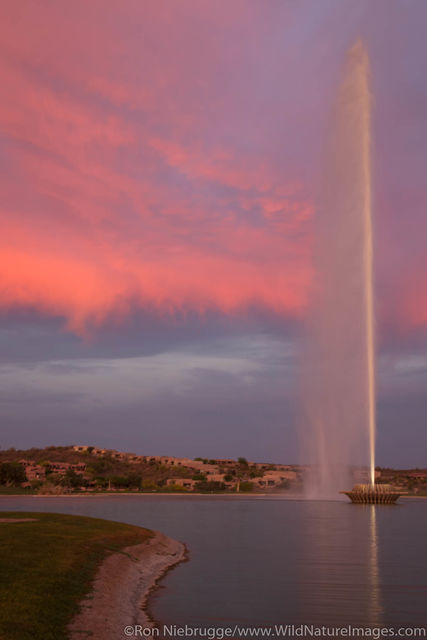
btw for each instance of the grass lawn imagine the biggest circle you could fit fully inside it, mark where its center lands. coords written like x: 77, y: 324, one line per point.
x: 46, y: 568
x: 13, y: 491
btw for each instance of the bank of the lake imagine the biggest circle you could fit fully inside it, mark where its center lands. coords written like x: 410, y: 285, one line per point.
x: 51, y: 563
x: 18, y: 491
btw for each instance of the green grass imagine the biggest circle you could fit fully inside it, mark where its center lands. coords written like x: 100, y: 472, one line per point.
x: 13, y: 491
x: 47, y: 566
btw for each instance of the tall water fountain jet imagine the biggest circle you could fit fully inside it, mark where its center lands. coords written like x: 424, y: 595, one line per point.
x: 339, y: 354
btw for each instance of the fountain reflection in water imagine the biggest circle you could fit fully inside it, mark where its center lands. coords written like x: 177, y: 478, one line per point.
x: 340, y: 546
x: 376, y: 609
x: 338, y: 357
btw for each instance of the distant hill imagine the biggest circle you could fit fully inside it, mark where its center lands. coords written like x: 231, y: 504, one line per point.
x: 87, y: 468
x: 65, y: 468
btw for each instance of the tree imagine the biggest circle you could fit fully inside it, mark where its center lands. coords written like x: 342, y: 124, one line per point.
x: 131, y: 480
x: 120, y: 482
x: 73, y: 479
x: 100, y: 466
x: 12, y: 473
x: 242, y: 461
x: 134, y: 480
x: 199, y: 477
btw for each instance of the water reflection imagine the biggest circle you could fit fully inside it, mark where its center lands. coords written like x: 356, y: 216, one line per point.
x: 339, y: 566
x: 376, y: 610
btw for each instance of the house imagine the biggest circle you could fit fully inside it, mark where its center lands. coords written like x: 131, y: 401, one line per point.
x: 33, y: 471
x: 61, y: 468
x: 274, y: 478
x: 216, y: 477
x: 418, y: 474
x: 184, y: 463
x: 185, y: 483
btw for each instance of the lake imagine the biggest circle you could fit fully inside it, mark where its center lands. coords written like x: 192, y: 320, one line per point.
x: 267, y: 560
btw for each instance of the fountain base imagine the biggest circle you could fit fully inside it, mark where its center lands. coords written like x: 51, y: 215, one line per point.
x: 372, y: 494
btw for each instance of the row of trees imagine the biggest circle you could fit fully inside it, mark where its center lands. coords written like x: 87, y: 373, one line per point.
x: 13, y: 474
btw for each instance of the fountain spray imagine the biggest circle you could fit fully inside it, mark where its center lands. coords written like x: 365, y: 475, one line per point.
x: 362, y: 73
x: 339, y: 354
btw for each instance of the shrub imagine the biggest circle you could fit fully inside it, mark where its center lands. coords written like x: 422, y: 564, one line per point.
x: 12, y: 473
x: 121, y: 482
x: 73, y: 479
x: 211, y: 485
x: 199, y: 477
x: 101, y: 482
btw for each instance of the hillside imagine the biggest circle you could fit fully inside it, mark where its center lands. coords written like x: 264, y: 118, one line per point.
x: 87, y: 468
x: 64, y: 468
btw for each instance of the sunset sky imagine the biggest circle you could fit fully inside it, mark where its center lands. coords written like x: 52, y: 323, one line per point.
x: 160, y: 165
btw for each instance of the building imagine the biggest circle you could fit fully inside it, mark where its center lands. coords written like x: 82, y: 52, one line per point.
x: 226, y: 462
x: 274, y: 478
x: 33, y: 471
x: 185, y: 483
x: 215, y: 477
x: 418, y: 474
x: 61, y: 468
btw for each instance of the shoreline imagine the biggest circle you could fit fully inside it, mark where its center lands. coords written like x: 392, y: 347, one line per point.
x: 243, y: 495
x: 133, y: 493
x: 122, y: 586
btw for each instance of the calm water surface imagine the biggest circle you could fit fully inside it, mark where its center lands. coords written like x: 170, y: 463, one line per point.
x: 266, y: 560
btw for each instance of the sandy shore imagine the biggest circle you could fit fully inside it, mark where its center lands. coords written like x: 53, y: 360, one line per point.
x: 8, y: 520
x: 121, y: 589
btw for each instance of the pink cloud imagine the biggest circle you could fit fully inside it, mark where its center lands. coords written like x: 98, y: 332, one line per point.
x: 141, y: 166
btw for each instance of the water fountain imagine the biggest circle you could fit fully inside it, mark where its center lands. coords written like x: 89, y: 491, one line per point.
x: 339, y: 357
x: 372, y: 494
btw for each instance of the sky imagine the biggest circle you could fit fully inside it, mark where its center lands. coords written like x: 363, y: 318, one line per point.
x: 159, y: 176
